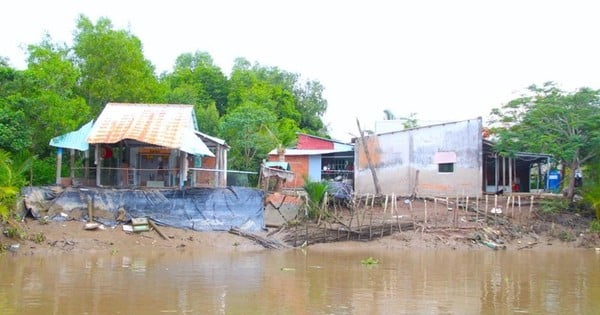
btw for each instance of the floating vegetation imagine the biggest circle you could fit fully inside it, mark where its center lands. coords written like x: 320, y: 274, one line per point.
x: 369, y: 261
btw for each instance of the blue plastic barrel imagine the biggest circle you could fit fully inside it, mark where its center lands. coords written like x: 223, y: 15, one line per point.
x: 553, y: 181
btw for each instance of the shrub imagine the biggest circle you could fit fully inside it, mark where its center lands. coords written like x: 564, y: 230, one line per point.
x: 315, y: 192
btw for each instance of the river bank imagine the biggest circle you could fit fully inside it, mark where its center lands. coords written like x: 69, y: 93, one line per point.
x: 39, y: 237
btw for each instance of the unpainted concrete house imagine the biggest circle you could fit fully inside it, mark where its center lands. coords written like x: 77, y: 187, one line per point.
x: 448, y: 159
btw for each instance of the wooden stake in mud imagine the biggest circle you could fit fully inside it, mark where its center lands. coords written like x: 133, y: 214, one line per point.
x: 486, y: 208
x: 520, y: 213
x: 447, y: 209
x: 530, y: 206
x: 90, y: 211
x: 495, y: 209
x: 435, y: 213
x: 385, y: 204
x: 425, y: 204
x: 466, y: 207
x: 455, y: 212
x: 477, y: 209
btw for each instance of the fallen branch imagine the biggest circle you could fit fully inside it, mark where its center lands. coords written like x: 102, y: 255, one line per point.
x: 155, y: 227
x: 530, y: 245
x: 266, y: 243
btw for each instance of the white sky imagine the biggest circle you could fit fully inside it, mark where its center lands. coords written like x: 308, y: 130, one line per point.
x: 443, y: 60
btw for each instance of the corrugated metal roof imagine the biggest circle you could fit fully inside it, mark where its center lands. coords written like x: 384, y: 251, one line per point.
x: 291, y: 152
x: 166, y: 125
x: 75, y: 139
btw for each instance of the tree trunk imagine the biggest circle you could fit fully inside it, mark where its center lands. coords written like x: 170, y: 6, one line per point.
x: 369, y: 162
x: 571, y: 188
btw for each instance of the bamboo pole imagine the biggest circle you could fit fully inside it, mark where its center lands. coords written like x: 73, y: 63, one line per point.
x: 435, y: 213
x: 477, y: 207
x: 425, y: 204
x: 385, y: 204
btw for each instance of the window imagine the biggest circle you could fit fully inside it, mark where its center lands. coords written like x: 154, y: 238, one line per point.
x: 445, y: 161
x: 446, y: 167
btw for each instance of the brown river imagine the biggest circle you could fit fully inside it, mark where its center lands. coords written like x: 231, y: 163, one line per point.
x: 303, y: 281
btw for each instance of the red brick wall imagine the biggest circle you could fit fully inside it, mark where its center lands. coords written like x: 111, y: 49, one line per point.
x: 309, y: 143
x: 298, y: 165
x: 206, y: 178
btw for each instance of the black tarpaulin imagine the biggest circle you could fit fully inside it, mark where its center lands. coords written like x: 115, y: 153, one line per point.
x: 200, y: 209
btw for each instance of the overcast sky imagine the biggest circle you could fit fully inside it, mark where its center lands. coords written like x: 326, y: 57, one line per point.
x: 443, y: 60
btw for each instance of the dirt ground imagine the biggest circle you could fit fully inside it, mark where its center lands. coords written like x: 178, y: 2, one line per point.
x: 438, y: 223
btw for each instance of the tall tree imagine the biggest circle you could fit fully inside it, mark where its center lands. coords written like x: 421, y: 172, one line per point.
x: 549, y: 120
x: 113, y: 66
x: 15, y: 134
x: 241, y: 128
x: 197, y: 80
x: 49, y: 83
x: 312, y: 106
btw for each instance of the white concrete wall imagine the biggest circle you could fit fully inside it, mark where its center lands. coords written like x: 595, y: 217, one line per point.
x: 397, y: 156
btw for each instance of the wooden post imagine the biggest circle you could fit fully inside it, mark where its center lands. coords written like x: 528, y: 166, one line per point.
x: 425, y: 204
x: 477, y: 209
x: 98, y: 161
x: 466, y: 206
x: 385, y: 204
x: 58, y: 165
x: 520, y: 213
x: 72, y: 163
x: 455, y: 212
x: 435, y: 212
x: 90, y: 210
x: 530, y: 206
x: 486, y: 208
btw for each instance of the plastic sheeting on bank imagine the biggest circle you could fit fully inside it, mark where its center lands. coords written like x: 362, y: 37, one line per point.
x: 200, y: 209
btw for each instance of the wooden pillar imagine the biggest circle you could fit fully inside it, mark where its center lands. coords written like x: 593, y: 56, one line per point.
x: 510, y: 174
x: 98, y: 161
x: 58, y: 164
x: 496, y: 170
x: 183, y: 167
x: 86, y: 171
x: 72, y: 163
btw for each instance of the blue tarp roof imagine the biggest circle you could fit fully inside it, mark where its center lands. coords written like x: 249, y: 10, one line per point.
x: 282, y: 165
x: 75, y: 139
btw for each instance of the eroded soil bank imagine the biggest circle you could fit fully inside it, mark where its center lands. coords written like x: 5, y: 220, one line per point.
x: 407, y: 226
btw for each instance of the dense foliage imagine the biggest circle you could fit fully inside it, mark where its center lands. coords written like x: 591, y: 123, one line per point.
x: 64, y: 87
x: 549, y: 120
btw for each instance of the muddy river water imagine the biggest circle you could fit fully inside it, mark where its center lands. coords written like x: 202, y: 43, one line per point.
x: 309, y: 281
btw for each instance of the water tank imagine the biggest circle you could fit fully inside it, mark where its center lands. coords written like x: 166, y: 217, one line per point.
x: 553, y: 182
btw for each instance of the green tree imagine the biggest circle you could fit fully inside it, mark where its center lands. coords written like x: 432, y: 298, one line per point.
x: 549, y: 120
x: 208, y: 119
x: 241, y: 129
x: 197, y: 80
x: 113, y: 66
x: 312, y: 106
x: 14, y: 134
x: 48, y: 88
